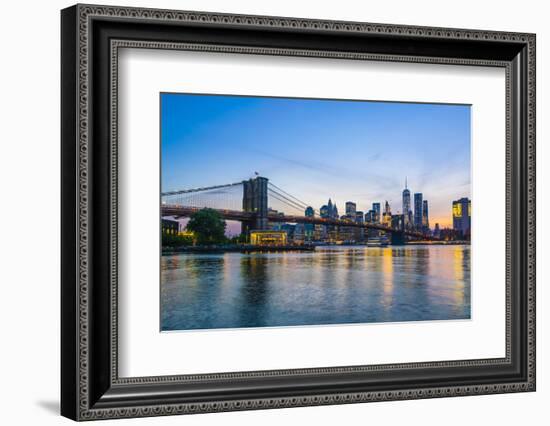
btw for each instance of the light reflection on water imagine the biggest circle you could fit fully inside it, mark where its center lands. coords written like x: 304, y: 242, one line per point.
x: 333, y: 285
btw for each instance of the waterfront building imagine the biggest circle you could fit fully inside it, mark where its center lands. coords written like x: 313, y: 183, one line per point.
x: 418, y: 210
x: 351, y: 208
x: 170, y: 227
x: 406, y: 206
x: 299, y: 233
x: 319, y: 232
x: 268, y: 238
x: 346, y: 233
x: 386, y: 219
x: 436, y: 231
x: 289, y: 229
x: 324, y: 212
x: 309, y: 228
x: 274, y: 225
x: 462, y: 216
x: 387, y: 209
x: 448, y: 234
x: 425, y: 218
x: 359, y: 232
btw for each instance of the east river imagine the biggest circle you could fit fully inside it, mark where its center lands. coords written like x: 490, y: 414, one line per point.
x: 331, y: 285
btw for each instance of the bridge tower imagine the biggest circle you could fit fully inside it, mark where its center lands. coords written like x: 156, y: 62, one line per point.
x: 397, y: 238
x: 255, y: 201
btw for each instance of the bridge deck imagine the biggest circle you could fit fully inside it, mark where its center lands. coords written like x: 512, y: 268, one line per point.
x: 237, y: 215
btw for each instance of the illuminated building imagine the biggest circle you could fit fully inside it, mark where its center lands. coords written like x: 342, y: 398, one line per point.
x: 325, y: 214
x: 425, y: 218
x: 418, y: 210
x: 309, y: 227
x: 299, y: 233
x: 462, y: 216
x: 386, y: 216
x: 289, y: 229
x: 359, y: 232
x: 406, y: 205
x: 346, y: 233
x: 387, y: 209
x: 268, y: 238
x: 276, y: 226
x: 170, y: 227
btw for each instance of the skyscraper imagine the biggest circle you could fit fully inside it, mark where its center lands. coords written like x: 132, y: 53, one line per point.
x: 376, y: 210
x: 462, y: 217
x: 406, y: 205
x: 387, y: 209
x: 329, y: 210
x: 425, y: 219
x: 351, y: 208
x: 418, y: 210
x: 309, y: 227
x: 369, y: 216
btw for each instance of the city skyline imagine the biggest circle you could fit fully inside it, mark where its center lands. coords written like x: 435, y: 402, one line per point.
x: 347, y: 151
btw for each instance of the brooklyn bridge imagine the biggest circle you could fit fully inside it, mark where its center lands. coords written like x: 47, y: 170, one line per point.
x: 257, y: 202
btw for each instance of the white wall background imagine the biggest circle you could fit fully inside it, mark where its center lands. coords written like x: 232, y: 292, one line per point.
x: 29, y: 212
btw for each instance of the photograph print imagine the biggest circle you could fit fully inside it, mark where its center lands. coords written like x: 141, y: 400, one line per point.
x: 279, y: 211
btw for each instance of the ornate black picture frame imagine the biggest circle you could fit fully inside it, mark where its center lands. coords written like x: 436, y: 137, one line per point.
x: 91, y: 36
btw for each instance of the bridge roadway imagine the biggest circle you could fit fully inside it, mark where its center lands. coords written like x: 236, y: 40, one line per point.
x: 238, y: 215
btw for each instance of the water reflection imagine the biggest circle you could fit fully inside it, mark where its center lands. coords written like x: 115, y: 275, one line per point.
x: 332, y: 285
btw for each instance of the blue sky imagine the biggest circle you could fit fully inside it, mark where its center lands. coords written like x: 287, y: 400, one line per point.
x: 316, y: 149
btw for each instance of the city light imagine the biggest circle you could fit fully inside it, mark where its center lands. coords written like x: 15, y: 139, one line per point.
x: 261, y: 224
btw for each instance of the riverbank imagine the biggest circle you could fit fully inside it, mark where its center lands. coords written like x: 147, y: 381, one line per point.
x: 438, y: 243
x: 235, y: 248
x: 247, y: 248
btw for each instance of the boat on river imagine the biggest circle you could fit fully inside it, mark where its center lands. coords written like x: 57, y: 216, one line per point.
x: 378, y: 241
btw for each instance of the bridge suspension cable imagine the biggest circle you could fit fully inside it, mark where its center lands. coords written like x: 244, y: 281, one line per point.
x: 285, y: 200
x: 206, y: 188
x: 227, y: 197
x: 296, y: 202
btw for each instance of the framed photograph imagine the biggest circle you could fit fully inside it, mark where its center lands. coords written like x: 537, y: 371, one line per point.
x: 263, y: 212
